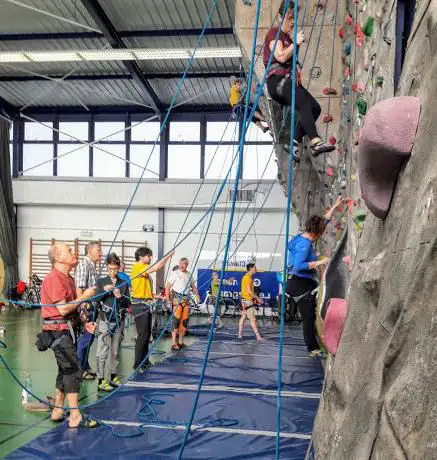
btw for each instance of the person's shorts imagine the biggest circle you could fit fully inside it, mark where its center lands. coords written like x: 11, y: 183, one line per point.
x: 248, y: 307
x: 181, y: 314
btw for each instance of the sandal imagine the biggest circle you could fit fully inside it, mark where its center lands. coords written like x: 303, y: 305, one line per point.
x: 176, y: 347
x: 182, y: 345
x: 86, y: 423
x: 321, y: 147
x: 87, y: 376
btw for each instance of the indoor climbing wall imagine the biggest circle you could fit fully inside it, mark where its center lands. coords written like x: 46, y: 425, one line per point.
x: 316, y: 181
x: 380, y: 392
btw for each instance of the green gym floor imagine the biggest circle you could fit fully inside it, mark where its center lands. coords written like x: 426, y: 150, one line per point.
x: 17, y: 427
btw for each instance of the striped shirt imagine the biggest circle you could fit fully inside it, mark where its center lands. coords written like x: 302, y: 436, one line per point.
x: 86, y: 274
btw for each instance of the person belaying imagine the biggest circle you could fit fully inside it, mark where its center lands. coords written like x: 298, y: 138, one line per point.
x: 279, y: 82
x: 237, y: 99
x: 59, y: 320
x: 113, y: 305
x: 302, y: 275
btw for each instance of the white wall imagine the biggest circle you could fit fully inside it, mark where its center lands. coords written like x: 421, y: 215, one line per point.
x: 65, y: 209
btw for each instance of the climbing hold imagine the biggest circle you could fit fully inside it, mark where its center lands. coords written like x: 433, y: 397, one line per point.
x: 348, y: 20
x: 358, y: 218
x: 379, y: 81
x: 347, y: 48
x: 329, y: 91
x: 341, y: 32
x: 360, y: 39
x: 354, y: 177
x: 361, y: 88
x: 333, y: 323
x: 347, y: 72
x: 362, y: 106
x: 385, y: 145
x: 357, y: 28
x: 343, y: 185
x: 321, y: 4
x: 357, y: 138
x: 327, y: 118
x: 346, y: 91
x: 343, y: 60
x: 329, y: 171
x: 369, y: 26
x: 332, y: 140
x: 354, y: 87
x: 366, y: 60
x: 348, y: 261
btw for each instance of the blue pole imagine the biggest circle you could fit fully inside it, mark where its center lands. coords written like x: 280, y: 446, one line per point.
x: 287, y: 232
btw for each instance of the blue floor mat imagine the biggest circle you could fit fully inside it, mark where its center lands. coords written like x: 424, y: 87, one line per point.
x: 248, y: 368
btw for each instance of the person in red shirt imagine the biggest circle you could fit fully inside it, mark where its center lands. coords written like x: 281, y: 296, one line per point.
x: 58, y: 325
x: 279, y: 81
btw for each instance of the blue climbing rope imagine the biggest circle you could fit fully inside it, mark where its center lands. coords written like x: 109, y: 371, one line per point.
x: 287, y: 231
x: 231, y: 218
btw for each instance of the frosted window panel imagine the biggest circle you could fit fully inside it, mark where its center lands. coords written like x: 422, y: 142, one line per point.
x: 73, y: 131
x: 38, y: 132
x: 185, y: 131
x: 255, y: 134
x: 73, y: 160
x: 184, y: 161
x: 142, y: 155
x: 258, y: 158
x: 223, y: 131
x: 218, y: 160
x: 147, y: 131
x: 33, y: 155
x: 109, y: 131
x: 111, y: 162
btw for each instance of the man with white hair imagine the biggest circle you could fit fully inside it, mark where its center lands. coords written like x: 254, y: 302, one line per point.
x: 59, y: 319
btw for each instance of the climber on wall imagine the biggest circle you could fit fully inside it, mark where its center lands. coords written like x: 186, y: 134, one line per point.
x: 279, y: 82
x: 236, y: 100
x: 302, y: 276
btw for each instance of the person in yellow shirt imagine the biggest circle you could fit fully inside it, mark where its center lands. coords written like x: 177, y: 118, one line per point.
x: 248, y: 297
x: 236, y: 101
x: 142, y: 299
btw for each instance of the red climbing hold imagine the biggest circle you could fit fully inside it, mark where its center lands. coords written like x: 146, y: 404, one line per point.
x: 354, y: 87
x: 329, y: 91
x: 386, y: 142
x: 333, y: 324
x: 347, y: 72
x: 360, y: 39
x: 341, y: 32
x: 332, y: 140
x: 349, y: 20
x: 327, y: 118
x: 329, y: 171
x: 357, y: 28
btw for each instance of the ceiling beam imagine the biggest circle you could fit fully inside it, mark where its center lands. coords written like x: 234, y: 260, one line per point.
x: 121, y: 34
x: 117, y: 109
x: 147, y: 76
x: 105, y: 25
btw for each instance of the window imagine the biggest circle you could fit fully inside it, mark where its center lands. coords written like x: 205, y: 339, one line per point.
x: 222, y: 131
x: 258, y: 158
x: 185, y: 131
x: 37, y: 160
x: 73, y: 160
x: 218, y: 159
x: 142, y: 154
x: 71, y: 131
x: 38, y: 131
x: 145, y: 131
x: 184, y: 161
x: 110, y: 161
x: 109, y: 131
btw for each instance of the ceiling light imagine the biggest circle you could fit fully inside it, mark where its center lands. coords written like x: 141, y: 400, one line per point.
x: 13, y: 57
x: 120, y: 54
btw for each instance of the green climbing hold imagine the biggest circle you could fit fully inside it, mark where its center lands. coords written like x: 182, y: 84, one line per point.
x: 369, y: 26
x: 379, y: 81
x: 362, y: 106
x: 358, y: 218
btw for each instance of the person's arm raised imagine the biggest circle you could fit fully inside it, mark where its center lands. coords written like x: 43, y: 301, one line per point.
x: 160, y: 264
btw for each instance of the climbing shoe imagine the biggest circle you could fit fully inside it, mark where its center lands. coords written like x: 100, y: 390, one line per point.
x: 321, y: 147
x: 105, y: 386
x: 314, y: 353
x: 116, y: 382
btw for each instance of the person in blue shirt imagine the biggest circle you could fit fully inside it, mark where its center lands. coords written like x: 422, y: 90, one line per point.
x: 302, y: 273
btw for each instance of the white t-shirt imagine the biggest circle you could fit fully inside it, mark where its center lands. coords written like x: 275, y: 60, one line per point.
x: 181, y: 281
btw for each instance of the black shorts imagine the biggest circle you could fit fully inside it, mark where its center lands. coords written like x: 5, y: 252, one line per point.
x: 69, y: 372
